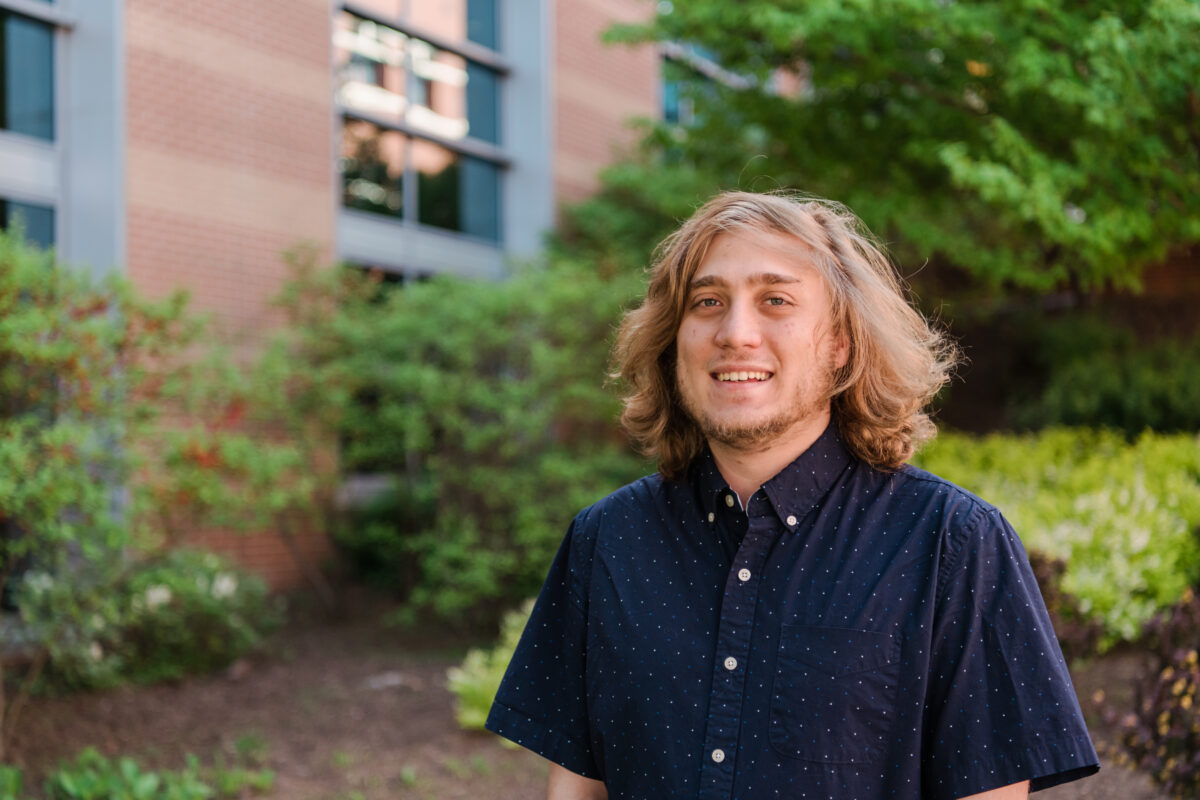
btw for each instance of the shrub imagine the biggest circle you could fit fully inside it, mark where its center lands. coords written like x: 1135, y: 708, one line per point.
x: 100, y: 475
x: 1154, y: 387
x: 10, y: 783
x: 485, y: 401
x: 95, y: 777
x: 1162, y: 735
x: 1123, y: 516
x: 476, y: 681
x: 181, y: 613
x: 82, y: 375
x: 374, y: 537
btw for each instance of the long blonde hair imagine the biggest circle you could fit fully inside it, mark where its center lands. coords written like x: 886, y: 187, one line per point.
x: 897, y: 361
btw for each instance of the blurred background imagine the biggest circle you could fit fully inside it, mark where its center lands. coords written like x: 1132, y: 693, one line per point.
x: 305, y: 309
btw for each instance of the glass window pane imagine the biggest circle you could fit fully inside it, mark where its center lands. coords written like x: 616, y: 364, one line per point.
x: 439, y: 96
x: 369, y: 62
x: 27, y: 64
x: 451, y: 97
x: 372, y: 166
x: 437, y: 185
x: 481, y: 199
x: 482, y: 106
x: 38, y: 221
x: 456, y: 192
x: 481, y: 22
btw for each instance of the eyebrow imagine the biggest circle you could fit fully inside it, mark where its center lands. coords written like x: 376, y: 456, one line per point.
x: 758, y: 279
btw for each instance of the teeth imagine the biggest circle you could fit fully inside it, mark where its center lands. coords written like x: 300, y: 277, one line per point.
x: 743, y: 376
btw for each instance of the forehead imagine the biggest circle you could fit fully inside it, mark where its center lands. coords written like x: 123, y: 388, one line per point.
x: 756, y: 257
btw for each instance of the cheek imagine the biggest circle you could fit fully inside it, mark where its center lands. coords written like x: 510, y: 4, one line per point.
x: 689, y: 345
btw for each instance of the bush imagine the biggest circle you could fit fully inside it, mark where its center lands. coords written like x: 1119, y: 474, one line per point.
x: 476, y: 681
x: 1162, y: 735
x: 10, y: 783
x: 486, y: 402
x: 100, y: 476
x: 82, y: 374
x: 179, y: 614
x: 1155, y: 387
x: 374, y: 537
x: 95, y: 777
x: 1123, y: 516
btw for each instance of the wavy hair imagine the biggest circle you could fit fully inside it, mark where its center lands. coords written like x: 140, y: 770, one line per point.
x: 897, y: 361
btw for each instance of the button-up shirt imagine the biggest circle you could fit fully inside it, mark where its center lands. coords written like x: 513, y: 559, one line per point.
x: 850, y: 633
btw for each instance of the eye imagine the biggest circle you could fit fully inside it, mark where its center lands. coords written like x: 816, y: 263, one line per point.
x: 776, y: 301
x: 706, y: 302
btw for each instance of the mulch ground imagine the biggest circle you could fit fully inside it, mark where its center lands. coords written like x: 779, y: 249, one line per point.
x: 354, y: 710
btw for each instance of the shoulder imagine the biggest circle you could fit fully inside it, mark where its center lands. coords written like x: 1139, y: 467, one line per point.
x: 627, y: 507
x: 972, y: 528
x: 937, y: 489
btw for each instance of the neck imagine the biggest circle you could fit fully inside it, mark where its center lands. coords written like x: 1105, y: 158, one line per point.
x: 745, y: 470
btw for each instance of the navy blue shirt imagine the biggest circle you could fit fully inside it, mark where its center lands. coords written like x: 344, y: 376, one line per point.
x: 851, y: 634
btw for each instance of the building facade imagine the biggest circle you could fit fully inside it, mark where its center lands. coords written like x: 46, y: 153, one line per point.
x: 189, y: 143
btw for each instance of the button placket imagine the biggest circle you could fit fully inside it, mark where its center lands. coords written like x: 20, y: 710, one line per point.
x: 733, y: 646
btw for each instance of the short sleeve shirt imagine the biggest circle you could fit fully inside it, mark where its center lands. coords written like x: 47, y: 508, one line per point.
x: 850, y: 633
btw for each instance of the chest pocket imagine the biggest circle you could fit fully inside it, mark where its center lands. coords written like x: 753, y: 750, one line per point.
x: 834, y: 695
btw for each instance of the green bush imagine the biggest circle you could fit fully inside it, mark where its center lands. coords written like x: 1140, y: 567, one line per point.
x: 374, y: 537
x: 122, y: 429
x: 182, y: 613
x: 1162, y: 735
x: 83, y: 374
x: 10, y: 783
x: 92, y: 776
x: 1155, y: 387
x: 1123, y: 516
x: 476, y: 681
x: 486, y: 401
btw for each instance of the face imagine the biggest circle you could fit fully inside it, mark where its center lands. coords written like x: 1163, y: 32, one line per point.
x: 756, y: 350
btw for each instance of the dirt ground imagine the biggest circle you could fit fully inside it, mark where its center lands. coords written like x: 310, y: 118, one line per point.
x: 358, y: 711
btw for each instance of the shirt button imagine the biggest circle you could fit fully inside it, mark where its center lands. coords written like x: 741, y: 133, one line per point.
x: 728, y: 502
x: 711, y: 516
x: 791, y: 520
x: 731, y: 663
x: 718, y: 755
x: 743, y: 575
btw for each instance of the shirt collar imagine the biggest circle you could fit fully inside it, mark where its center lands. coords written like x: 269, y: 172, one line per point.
x: 794, y: 491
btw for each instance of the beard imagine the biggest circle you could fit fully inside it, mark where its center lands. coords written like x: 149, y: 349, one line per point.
x: 755, y: 435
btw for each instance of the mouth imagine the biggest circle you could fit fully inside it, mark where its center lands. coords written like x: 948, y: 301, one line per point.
x: 742, y: 376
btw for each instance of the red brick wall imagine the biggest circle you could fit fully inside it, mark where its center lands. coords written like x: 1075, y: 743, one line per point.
x: 597, y: 88
x: 229, y: 162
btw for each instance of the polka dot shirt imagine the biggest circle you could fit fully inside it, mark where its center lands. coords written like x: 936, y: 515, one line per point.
x: 848, y: 633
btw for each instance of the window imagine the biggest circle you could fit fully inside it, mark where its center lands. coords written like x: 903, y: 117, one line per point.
x: 26, y: 76
x: 418, y: 87
x: 38, y: 221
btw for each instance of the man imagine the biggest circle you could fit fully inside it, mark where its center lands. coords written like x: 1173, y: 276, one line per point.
x: 787, y: 610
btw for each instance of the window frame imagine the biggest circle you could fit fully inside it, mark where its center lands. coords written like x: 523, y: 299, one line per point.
x: 32, y: 168
x: 469, y: 146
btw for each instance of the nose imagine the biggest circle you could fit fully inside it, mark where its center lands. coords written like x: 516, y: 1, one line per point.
x: 739, y: 327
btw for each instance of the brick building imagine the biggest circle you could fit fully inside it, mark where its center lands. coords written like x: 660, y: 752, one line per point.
x: 189, y: 142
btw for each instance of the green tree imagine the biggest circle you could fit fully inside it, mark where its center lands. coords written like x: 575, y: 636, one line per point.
x: 1029, y: 142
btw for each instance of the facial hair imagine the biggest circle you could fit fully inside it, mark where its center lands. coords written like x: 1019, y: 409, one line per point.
x: 759, y: 435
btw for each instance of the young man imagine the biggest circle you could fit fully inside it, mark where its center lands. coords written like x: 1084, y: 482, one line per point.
x: 787, y: 610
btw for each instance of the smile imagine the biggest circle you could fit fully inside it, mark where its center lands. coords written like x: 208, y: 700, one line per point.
x: 739, y: 377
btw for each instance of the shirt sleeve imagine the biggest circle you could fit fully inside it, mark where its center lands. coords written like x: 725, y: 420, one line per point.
x: 1001, y: 708
x: 541, y: 703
